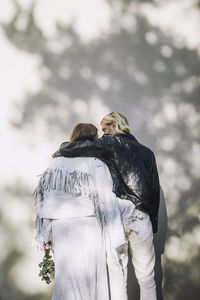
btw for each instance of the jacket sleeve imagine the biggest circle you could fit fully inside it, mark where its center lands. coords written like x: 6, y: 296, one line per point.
x: 107, y: 208
x: 100, y: 148
x: 155, y: 194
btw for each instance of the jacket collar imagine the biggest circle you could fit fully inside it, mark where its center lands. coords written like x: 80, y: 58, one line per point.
x: 126, y: 134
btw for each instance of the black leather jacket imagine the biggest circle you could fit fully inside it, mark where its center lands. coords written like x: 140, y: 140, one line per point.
x: 132, y: 166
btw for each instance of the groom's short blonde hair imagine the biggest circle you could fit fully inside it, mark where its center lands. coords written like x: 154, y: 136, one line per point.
x: 122, y: 125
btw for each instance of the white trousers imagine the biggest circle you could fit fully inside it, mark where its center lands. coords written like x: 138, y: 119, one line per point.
x: 140, y: 236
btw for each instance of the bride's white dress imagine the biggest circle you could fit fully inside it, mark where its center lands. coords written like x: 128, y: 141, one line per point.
x: 79, y: 255
x: 79, y: 213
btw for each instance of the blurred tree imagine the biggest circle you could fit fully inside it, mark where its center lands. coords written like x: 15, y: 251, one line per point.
x: 139, y: 70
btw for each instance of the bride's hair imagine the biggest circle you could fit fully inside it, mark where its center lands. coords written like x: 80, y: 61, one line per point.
x: 84, y: 131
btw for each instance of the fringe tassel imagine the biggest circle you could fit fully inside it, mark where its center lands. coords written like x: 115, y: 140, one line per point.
x: 75, y: 183
x: 37, y: 232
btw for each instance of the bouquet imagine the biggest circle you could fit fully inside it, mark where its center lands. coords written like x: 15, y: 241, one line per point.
x: 47, y: 268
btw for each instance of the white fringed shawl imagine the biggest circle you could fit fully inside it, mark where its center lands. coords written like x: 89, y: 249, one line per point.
x: 77, y: 187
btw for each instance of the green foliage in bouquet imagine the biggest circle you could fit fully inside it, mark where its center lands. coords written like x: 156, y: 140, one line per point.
x: 47, y: 268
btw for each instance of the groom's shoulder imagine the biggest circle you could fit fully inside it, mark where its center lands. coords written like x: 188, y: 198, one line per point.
x: 108, y: 141
x: 64, y: 144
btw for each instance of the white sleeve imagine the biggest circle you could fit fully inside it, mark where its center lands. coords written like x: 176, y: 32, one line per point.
x: 108, y: 205
x: 42, y: 231
x: 46, y: 230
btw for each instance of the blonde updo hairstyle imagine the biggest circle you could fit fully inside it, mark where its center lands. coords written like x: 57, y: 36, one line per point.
x: 122, y: 125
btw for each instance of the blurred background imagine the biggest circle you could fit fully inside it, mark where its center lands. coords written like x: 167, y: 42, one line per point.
x: 62, y: 62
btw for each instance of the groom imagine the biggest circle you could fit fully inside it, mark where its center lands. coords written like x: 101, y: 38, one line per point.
x: 137, y: 186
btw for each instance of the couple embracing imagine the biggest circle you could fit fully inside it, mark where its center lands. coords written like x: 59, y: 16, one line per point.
x: 98, y: 198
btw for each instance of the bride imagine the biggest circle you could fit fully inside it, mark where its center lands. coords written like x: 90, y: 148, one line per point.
x: 78, y: 214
